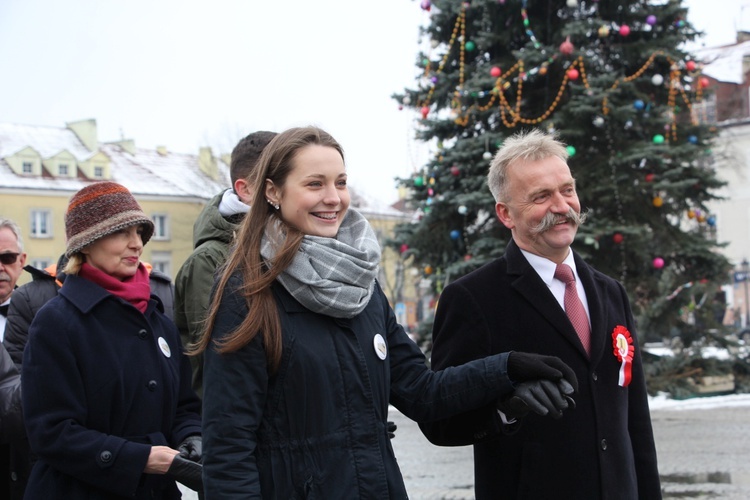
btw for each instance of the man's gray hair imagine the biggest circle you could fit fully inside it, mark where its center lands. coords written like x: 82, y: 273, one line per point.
x: 532, y: 145
x: 14, y: 229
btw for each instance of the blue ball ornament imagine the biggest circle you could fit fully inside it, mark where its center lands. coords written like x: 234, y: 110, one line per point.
x: 711, y: 220
x: 455, y: 234
x: 639, y: 104
x: 693, y: 139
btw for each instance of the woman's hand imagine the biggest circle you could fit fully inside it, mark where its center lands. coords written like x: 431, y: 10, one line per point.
x: 160, y: 459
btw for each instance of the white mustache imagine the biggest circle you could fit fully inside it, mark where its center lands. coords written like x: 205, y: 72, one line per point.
x: 550, y: 220
x: 4, y: 277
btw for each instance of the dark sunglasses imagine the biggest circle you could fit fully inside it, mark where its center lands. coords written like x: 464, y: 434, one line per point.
x: 9, y: 258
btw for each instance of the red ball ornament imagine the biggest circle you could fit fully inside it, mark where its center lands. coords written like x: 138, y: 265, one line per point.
x: 455, y: 171
x: 624, y: 30
x: 566, y: 48
x: 704, y: 82
x: 425, y: 111
x: 690, y: 65
x: 495, y: 72
x: 403, y: 248
x: 617, y: 238
x: 573, y: 74
x: 650, y: 177
x: 658, y: 263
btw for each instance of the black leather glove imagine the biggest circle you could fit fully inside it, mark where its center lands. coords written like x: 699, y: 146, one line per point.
x: 187, y: 472
x: 543, y: 397
x: 391, y: 428
x: 191, y: 448
x: 525, y: 366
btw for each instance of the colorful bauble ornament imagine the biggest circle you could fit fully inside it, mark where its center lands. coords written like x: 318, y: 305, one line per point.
x: 704, y: 82
x: 617, y: 238
x: 650, y: 177
x: 702, y: 218
x: 426, y: 5
x: 692, y: 139
x: 418, y: 181
x: 603, y: 31
x: 639, y: 104
x: 455, y: 234
x: 425, y: 111
x: 470, y: 46
x: 462, y: 209
x: 428, y: 269
x: 658, y: 201
x: 690, y: 65
x: 573, y: 74
x: 657, y: 79
x: 624, y: 30
x: 658, y: 139
x: 566, y: 48
x: 403, y: 248
x: 455, y: 171
x: 487, y: 155
x: 571, y: 150
x: 495, y: 72
x: 711, y: 221
x: 658, y: 263
x: 691, y: 214
x: 598, y: 122
x: 651, y: 20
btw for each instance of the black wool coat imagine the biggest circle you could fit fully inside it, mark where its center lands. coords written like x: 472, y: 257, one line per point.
x: 316, y: 428
x: 102, y: 383
x: 602, y: 449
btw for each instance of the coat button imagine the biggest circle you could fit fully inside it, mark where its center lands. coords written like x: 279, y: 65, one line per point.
x: 105, y: 456
x: 152, y: 385
x: 604, y: 444
x: 142, y: 334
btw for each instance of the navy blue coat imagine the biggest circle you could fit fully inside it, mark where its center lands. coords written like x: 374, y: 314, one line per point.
x: 317, y: 427
x: 604, y: 448
x: 99, y: 391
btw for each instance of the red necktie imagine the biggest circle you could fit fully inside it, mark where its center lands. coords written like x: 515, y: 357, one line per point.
x: 573, y: 306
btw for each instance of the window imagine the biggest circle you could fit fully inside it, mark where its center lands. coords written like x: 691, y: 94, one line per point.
x: 161, y: 227
x: 41, y: 263
x: 27, y: 167
x: 162, y: 261
x: 98, y: 172
x: 62, y: 169
x: 41, y: 226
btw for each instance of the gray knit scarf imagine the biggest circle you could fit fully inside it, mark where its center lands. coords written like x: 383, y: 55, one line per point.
x: 331, y: 276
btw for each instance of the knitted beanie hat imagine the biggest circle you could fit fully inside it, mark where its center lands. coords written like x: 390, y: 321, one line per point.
x: 100, y: 209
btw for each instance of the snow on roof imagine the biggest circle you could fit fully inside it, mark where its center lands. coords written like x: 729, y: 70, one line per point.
x: 724, y: 63
x: 145, y: 173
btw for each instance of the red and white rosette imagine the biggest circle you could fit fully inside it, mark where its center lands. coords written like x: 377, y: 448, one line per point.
x: 623, y: 347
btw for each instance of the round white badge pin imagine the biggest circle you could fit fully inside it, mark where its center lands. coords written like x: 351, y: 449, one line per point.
x: 164, y: 346
x: 380, y: 348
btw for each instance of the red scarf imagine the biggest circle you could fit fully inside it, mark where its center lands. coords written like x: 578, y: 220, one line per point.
x: 135, y: 289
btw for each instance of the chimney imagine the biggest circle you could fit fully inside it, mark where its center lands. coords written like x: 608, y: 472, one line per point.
x: 127, y: 144
x: 85, y: 130
x: 207, y: 163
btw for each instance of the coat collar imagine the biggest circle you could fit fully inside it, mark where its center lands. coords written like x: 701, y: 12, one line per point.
x: 85, y: 294
x: 527, y: 282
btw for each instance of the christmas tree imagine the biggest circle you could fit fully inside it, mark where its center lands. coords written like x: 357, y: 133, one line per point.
x: 615, y: 82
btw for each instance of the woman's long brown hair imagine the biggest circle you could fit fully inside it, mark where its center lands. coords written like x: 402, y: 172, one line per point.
x: 275, y: 164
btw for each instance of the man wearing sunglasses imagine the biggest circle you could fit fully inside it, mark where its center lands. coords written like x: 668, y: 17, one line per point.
x: 12, y: 260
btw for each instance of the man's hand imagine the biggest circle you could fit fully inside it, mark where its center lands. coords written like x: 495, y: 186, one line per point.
x: 526, y: 367
x: 543, y: 397
x: 191, y: 448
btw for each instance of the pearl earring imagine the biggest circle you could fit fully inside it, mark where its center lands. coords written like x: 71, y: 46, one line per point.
x: 274, y: 205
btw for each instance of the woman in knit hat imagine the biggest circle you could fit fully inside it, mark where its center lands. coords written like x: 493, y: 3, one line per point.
x: 106, y: 389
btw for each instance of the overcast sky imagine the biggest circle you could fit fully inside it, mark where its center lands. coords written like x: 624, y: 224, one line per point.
x: 185, y: 74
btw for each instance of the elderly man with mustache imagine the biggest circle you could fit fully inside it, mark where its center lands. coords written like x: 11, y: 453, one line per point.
x: 541, y: 297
